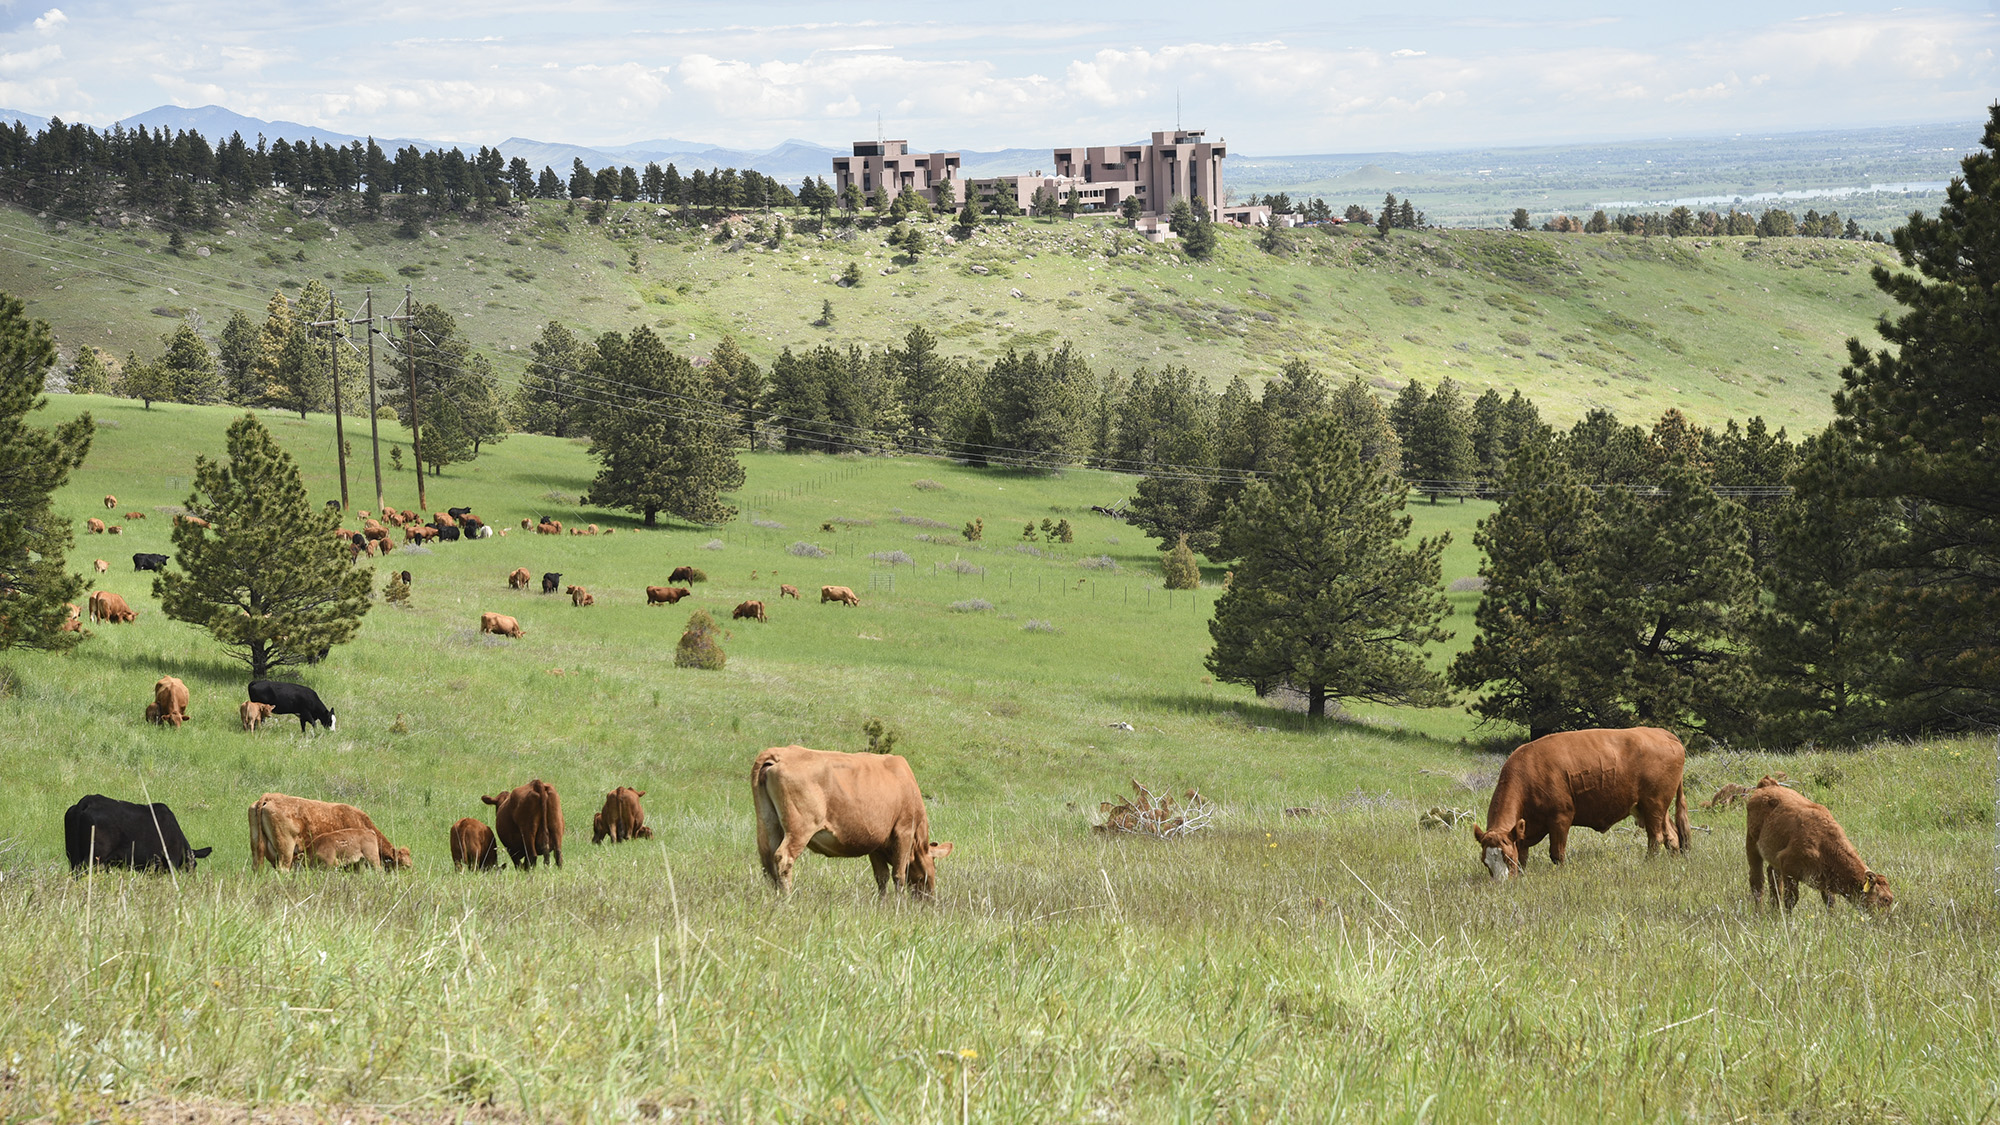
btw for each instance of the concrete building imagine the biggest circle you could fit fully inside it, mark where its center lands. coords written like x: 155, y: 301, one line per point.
x: 888, y: 165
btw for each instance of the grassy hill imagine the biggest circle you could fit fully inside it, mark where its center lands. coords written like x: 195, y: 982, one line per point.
x: 1315, y: 955
x: 1720, y: 327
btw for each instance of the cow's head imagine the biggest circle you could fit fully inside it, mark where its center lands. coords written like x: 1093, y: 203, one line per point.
x: 1500, y: 850
x: 923, y: 869
x: 189, y: 855
x: 1875, y: 893
x: 397, y: 857
x: 329, y: 719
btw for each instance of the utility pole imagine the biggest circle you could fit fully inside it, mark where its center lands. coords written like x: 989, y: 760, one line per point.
x: 410, y: 356
x: 333, y: 372
x: 374, y: 427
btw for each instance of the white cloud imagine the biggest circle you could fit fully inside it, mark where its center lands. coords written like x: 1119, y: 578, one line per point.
x: 51, y: 21
x: 27, y: 62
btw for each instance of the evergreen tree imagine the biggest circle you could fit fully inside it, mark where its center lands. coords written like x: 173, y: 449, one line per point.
x: 978, y: 441
x: 1325, y: 600
x: 457, y: 395
x: 1362, y: 416
x: 968, y: 218
x: 1921, y: 413
x: 1040, y: 405
x: 1603, y: 452
x: 1403, y: 413
x: 932, y: 387
x: 1489, y: 435
x: 34, y: 464
x: 1820, y: 664
x: 554, y: 387
x: 88, y: 374
x: 1131, y: 208
x: 1533, y: 547
x: 1175, y: 499
x: 1520, y: 423
x: 236, y: 358
x: 1179, y: 567
x: 1521, y: 221
x: 266, y: 576
x: 269, y: 355
x: 1006, y: 202
x: 1439, y: 448
x: 658, y: 453
x: 144, y: 381
x: 737, y: 385
x: 188, y: 368
x: 1198, y: 237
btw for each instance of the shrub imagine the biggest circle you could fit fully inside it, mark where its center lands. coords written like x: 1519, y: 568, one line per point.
x: 698, y: 647
x: 712, y: 545
x: 959, y: 566
x: 397, y: 592
x: 1030, y: 549
x: 926, y: 485
x: 807, y: 550
x: 1098, y: 562
x: 1035, y: 626
x: 1180, y: 568
x: 974, y: 529
x: 770, y: 524
x: 919, y: 521
x: 1460, y: 585
x: 971, y: 605
x: 893, y: 558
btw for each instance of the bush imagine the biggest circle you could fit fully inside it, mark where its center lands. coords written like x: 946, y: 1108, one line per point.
x: 926, y: 485
x: 893, y: 558
x: 974, y: 529
x: 1180, y: 568
x: 1036, y: 626
x: 959, y: 566
x: 807, y: 550
x: 712, y: 545
x: 698, y: 647
x: 919, y: 521
x: 773, y: 525
x: 1098, y: 562
x: 971, y: 605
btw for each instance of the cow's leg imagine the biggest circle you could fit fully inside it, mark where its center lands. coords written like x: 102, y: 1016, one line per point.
x: 1756, y: 860
x: 1558, y: 841
x: 1791, y: 892
x: 797, y: 836
x: 884, y: 871
x: 1653, y: 816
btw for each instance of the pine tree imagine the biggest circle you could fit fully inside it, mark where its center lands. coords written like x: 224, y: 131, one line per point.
x: 236, y: 359
x: 88, y: 374
x: 144, y: 381
x: 188, y: 368
x: 933, y: 387
x: 457, y: 395
x: 34, y: 464
x: 1324, y: 598
x: 268, y: 365
x: 1179, y: 567
x: 659, y: 451
x: 1403, y: 413
x: 1175, y: 499
x: 737, y: 385
x: 1438, y: 449
x: 1921, y: 412
x: 1362, y: 416
x: 266, y: 576
x: 1489, y: 435
x: 554, y: 385
x: 1041, y: 405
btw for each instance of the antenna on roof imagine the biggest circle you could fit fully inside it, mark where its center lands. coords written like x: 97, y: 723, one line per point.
x: 1177, y: 109
x: 878, y: 127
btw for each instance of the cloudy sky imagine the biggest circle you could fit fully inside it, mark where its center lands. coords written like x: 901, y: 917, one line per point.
x: 1278, y: 78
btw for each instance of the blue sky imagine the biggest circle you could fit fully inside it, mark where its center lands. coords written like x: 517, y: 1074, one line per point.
x: 1286, y: 78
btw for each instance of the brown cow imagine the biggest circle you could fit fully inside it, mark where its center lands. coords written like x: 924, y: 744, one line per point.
x: 1592, y: 778
x: 621, y: 819
x: 752, y: 608
x: 1799, y: 839
x: 666, y: 595
x: 102, y: 566
x: 170, y: 697
x: 578, y: 596
x: 345, y: 847
x: 74, y: 622
x: 254, y: 715
x: 472, y: 846
x: 419, y: 533
x: 110, y: 607
x: 843, y: 805
x: 684, y: 574
x: 115, y: 529
x: 282, y: 829
x: 839, y: 594
x: 528, y: 820
x: 591, y: 530
x: 548, y: 527
x: 788, y: 592
x: 135, y: 515
x: 94, y: 526
x: 110, y: 501
x: 501, y: 624
x: 519, y: 579
x: 526, y: 524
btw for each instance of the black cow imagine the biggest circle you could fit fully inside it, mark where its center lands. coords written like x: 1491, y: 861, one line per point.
x: 473, y: 526
x: 406, y: 578
x: 551, y: 582
x: 292, y: 699
x: 458, y: 513
x: 448, y: 533
x: 359, y: 540
x: 143, y: 561
x: 122, y: 834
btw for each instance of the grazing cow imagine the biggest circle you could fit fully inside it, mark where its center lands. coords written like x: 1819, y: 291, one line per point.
x: 840, y: 594
x: 685, y: 574
x: 129, y: 516
x: 73, y: 623
x: 550, y: 580
x: 591, y: 530
x: 149, y: 561
x: 752, y: 608
x: 500, y: 624
x: 526, y: 524
x: 1799, y: 839
x: 254, y: 715
x: 528, y: 820
x: 110, y: 502
x: 170, y: 696
x: 447, y: 533
x: 440, y: 520
x: 475, y: 528
x: 1591, y: 778
x: 376, y: 533
x: 418, y: 533
x: 578, y: 596
x: 519, y: 579
x: 115, y: 529
x: 843, y: 805
x: 472, y: 846
x: 409, y: 516
x: 346, y: 847
x: 406, y: 578
x: 458, y: 513
x: 548, y: 527
x: 94, y: 525
x: 292, y: 699
x: 283, y: 828
x: 621, y: 819
x: 109, y: 607
x: 665, y: 595
x: 191, y: 521
x: 102, y: 566
x: 118, y: 833
x: 788, y: 592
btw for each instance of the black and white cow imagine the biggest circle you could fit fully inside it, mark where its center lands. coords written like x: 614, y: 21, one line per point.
x: 292, y: 699
x: 123, y: 834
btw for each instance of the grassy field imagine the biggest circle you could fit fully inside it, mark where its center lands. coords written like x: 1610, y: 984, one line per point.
x: 1719, y: 327
x: 1338, y: 965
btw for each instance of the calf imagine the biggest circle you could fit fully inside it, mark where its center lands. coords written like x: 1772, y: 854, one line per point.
x: 110, y: 502
x: 111, y: 608
x: 528, y: 821
x: 548, y: 527
x: 72, y: 623
x: 752, y: 609
x: 519, y: 579
x: 1798, y: 838
x: 500, y: 624
x: 1587, y: 778
x: 282, y: 829
x: 788, y: 592
x: 292, y: 699
x: 105, y: 830
x: 621, y: 819
x: 346, y: 847
x: 578, y: 596
x: 472, y: 846
x: 129, y: 516
x: 94, y: 525
x: 665, y: 595
x: 170, y: 697
x: 551, y: 580
x: 840, y: 594
x: 843, y: 805
x: 254, y: 715
x: 102, y: 566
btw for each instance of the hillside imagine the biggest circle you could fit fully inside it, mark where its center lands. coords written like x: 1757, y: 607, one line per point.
x: 1719, y: 327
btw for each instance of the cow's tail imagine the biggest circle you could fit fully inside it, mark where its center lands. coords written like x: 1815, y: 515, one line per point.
x: 770, y: 822
x: 1681, y: 816
x: 261, y: 850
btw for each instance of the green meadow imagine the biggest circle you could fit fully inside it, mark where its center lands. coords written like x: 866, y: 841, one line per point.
x: 1314, y: 955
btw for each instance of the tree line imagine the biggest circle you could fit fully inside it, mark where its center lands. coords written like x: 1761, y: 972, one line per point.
x: 1682, y: 222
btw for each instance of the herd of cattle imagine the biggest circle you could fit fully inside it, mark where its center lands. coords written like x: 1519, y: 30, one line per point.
x: 753, y: 609
x: 852, y: 805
